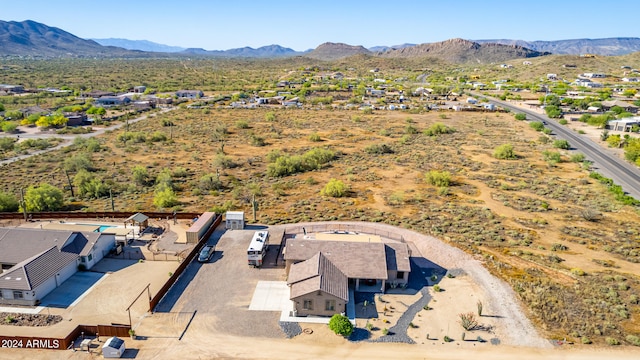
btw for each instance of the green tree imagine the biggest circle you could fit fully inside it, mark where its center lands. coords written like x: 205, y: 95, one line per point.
x: 164, y: 179
x: 9, y: 127
x: 43, y: 198
x: 165, y: 197
x: 89, y: 185
x: 561, y: 144
x: 140, y: 175
x: 504, y: 152
x: 341, y: 325
x: 437, y: 129
x: 335, y: 188
x: 8, y: 202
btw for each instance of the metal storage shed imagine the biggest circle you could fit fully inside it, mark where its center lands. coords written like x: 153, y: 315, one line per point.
x: 113, y: 348
x: 235, y: 220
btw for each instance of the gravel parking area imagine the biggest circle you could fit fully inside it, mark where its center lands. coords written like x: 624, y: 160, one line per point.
x: 220, y: 291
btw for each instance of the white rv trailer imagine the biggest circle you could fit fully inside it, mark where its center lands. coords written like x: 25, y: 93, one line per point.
x: 258, y: 248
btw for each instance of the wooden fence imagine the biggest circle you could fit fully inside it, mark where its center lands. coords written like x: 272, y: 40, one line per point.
x: 183, y: 265
x: 94, y: 215
x: 32, y: 342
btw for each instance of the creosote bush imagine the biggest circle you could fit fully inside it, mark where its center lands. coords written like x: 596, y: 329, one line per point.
x: 468, y: 321
x: 438, y: 178
x: 504, y: 152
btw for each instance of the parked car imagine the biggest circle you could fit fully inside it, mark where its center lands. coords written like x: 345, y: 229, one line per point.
x: 206, y: 253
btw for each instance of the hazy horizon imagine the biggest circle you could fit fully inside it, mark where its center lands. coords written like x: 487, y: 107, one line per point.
x: 302, y: 26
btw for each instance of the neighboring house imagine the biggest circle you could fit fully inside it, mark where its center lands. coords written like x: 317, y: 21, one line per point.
x: 552, y: 76
x: 189, y: 94
x: 75, y: 118
x: 139, y: 89
x: 630, y: 79
x: 318, y: 287
x: 472, y: 100
x: 526, y: 62
x: 31, y: 110
x: 607, y: 105
x: 12, y: 89
x: 97, y: 94
x: 34, y: 262
x: 106, y: 101
x: 623, y: 124
x: 592, y: 75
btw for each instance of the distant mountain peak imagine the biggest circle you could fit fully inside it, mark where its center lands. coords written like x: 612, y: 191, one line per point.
x: 142, y: 45
x: 604, y: 46
x: 333, y: 51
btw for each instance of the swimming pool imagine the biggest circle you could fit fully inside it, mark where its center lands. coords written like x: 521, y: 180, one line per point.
x: 101, y: 228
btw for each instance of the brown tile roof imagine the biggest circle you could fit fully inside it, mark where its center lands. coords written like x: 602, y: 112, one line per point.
x: 397, y: 255
x: 318, y: 274
x: 355, y: 259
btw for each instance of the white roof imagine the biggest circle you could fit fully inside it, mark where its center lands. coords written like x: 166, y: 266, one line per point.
x: 235, y: 215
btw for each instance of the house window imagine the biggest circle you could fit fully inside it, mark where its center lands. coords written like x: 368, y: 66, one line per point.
x: 330, y: 305
x: 90, y: 257
x: 400, y: 275
x: 83, y: 259
x: 307, y: 305
x: 18, y: 295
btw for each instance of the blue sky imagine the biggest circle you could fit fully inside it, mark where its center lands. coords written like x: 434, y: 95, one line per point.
x: 300, y: 25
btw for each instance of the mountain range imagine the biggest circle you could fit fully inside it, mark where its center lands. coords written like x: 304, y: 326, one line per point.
x: 33, y: 39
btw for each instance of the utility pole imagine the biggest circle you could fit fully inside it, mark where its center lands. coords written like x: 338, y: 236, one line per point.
x: 113, y: 207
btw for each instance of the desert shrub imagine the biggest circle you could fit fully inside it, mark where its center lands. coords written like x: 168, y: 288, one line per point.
x: 561, y: 144
x: 468, y: 321
x: 270, y: 116
x: 315, y: 137
x: 536, y: 125
x: 158, y: 136
x: 552, y: 157
x: 209, y: 182
x: 224, y: 162
x: 341, y: 325
x: 520, y: 116
x: 437, y: 129
x: 436, y: 288
x: 577, y: 158
x: 378, y: 149
x: 140, y: 175
x: 633, y: 340
x: 242, y: 124
x: 335, y: 188
x: 410, y: 129
x: 504, y: 152
x: 283, y: 165
x: 563, y: 122
x: 7, y: 143
x: 78, y: 162
x: 585, y: 340
x: 438, y: 178
x: 577, y: 272
x: 612, y: 341
x: 256, y: 140
x: 385, y: 331
x: 447, y: 338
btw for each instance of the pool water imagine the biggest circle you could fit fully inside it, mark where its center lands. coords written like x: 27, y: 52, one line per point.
x: 104, y: 227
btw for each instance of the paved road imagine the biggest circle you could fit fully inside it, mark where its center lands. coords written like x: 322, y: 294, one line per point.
x: 622, y: 172
x: 68, y: 139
